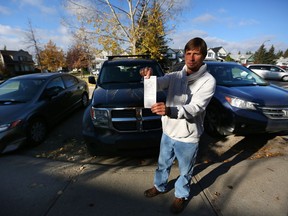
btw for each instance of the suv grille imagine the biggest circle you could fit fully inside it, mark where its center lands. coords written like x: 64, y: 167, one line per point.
x: 275, y: 113
x: 135, y: 119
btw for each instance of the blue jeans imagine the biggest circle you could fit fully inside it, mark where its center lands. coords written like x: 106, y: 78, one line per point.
x: 185, y: 153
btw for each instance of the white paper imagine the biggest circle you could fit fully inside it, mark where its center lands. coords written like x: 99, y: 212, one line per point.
x: 150, y: 90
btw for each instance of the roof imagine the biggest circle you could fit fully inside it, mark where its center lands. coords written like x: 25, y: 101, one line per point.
x: 38, y: 76
x: 7, y: 56
x: 12, y: 52
x: 261, y: 65
x: 216, y: 49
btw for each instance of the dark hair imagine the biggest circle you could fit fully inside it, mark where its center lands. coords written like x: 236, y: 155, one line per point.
x: 197, y: 43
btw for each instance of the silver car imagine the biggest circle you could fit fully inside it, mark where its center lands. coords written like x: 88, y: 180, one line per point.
x: 268, y: 71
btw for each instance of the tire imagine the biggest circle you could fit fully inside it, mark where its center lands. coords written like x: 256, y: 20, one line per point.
x: 285, y: 78
x: 212, y: 122
x: 37, y: 132
x: 85, y: 100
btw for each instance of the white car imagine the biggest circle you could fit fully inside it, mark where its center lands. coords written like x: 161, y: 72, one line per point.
x: 268, y: 71
x: 95, y: 72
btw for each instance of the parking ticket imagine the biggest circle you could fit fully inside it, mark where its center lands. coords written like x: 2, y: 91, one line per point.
x: 150, y: 91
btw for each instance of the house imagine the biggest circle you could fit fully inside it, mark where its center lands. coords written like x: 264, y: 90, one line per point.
x: 216, y: 54
x: 15, y: 62
x: 243, y: 59
x: 98, y: 59
x: 175, y: 55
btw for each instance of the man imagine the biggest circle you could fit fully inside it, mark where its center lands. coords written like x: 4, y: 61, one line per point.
x: 188, y: 94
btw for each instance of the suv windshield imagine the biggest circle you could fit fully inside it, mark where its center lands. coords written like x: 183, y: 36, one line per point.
x: 124, y: 72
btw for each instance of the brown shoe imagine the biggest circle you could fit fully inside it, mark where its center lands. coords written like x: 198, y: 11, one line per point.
x: 152, y: 192
x: 178, y: 205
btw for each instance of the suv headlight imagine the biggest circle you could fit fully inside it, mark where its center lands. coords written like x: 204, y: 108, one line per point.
x: 99, y: 117
x: 239, y: 103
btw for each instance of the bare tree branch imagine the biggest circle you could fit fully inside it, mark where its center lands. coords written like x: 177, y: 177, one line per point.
x: 32, y: 41
x: 116, y: 21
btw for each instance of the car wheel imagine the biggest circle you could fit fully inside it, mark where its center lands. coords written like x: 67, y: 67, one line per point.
x: 85, y: 100
x: 212, y: 122
x: 285, y: 78
x: 37, y: 132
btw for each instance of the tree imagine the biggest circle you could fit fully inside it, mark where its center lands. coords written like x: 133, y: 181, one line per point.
x: 52, y: 58
x: 152, y: 38
x: 279, y: 54
x: 271, y: 56
x: 115, y: 24
x: 77, y: 57
x: 229, y: 58
x: 285, y: 55
x: 32, y: 41
x: 83, y: 48
x: 260, y: 55
x: 264, y: 57
x: 72, y: 57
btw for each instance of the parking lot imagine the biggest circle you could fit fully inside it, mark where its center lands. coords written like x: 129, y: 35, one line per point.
x: 65, y: 143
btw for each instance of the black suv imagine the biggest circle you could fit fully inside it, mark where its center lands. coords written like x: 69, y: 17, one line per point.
x: 116, y: 120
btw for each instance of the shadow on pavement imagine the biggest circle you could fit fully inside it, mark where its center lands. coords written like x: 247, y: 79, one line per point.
x: 237, y: 153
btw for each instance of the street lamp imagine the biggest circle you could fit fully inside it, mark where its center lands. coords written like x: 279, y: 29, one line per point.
x: 263, y: 44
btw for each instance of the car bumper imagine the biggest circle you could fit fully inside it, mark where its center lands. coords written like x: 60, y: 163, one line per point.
x: 101, y: 141
x: 11, y: 140
x: 249, y: 122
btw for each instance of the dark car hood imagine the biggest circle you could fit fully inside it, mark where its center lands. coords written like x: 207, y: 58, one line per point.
x: 264, y: 95
x: 116, y: 96
x: 11, y: 111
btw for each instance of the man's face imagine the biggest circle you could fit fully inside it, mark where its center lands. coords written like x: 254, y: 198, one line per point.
x: 193, y: 59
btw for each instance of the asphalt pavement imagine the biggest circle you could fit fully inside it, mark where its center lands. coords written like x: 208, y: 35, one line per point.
x: 44, y: 187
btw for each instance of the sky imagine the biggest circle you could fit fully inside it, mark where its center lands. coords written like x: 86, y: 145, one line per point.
x: 237, y: 26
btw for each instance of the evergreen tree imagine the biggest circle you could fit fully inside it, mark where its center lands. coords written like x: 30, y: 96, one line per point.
x: 152, y: 39
x: 142, y: 22
x: 279, y: 54
x: 229, y: 58
x: 271, y: 56
x: 285, y: 55
x: 114, y: 23
x: 260, y: 55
